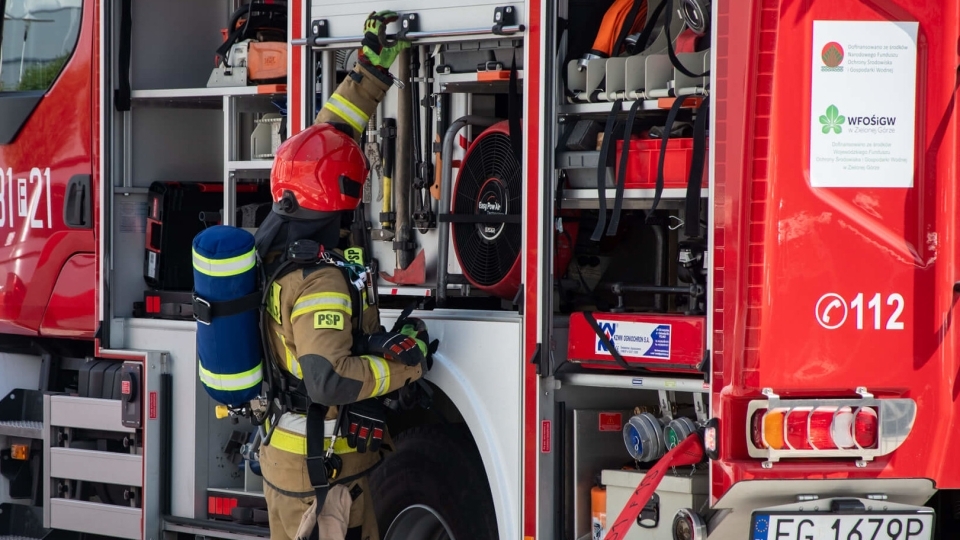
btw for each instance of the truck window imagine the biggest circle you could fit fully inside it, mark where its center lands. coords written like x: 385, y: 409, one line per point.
x: 36, y: 40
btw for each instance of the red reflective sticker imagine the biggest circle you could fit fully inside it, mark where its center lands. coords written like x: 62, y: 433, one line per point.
x: 545, y: 436
x: 153, y: 405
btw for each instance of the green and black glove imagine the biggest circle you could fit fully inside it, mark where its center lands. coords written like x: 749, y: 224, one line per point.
x: 375, y: 50
x: 417, y: 329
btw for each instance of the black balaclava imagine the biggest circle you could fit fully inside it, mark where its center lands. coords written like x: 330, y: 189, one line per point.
x: 278, y: 231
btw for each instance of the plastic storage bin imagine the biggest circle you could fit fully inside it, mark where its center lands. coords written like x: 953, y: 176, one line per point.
x: 581, y: 168
x: 644, y: 158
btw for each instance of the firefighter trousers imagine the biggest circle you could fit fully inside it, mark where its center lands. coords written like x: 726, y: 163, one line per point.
x: 285, y: 474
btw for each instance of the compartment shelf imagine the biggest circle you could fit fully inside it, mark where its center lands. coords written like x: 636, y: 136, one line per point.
x: 633, y: 199
x: 176, y: 93
x: 604, y: 107
x: 473, y: 82
x: 635, y: 382
x: 253, y: 165
x: 405, y: 290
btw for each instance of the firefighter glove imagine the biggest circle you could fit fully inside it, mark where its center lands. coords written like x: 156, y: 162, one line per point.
x: 417, y: 329
x: 364, y: 425
x: 375, y: 48
x: 395, y: 347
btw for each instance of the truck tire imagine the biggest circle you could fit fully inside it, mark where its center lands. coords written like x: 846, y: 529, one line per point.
x: 433, y: 486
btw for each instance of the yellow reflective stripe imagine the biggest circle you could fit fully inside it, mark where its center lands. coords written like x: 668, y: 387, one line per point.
x: 321, y: 301
x: 293, y: 367
x: 225, y: 267
x: 297, y: 444
x: 231, y: 382
x: 348, y: 111
x: 381, y: 375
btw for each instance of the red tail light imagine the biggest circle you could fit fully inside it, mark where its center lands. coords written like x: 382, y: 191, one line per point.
x: 865, y: 428
x: 862, y: 428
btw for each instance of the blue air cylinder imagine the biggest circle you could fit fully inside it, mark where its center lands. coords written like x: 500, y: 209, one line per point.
x: 226, y: 307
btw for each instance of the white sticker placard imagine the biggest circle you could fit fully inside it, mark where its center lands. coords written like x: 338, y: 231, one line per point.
x: 635, y: 339
x: 863, y: 104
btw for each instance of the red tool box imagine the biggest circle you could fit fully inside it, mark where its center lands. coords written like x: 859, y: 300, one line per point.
x: 644, y: 159
x: 655, y: 341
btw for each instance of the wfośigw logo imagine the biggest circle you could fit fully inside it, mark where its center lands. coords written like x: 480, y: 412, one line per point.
x: 609, y: 330
x: 832, y: 120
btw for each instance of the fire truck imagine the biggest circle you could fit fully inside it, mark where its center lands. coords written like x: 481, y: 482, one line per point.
x: 638, y: 228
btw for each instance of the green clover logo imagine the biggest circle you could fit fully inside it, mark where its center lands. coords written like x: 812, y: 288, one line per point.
x: 832, y: 120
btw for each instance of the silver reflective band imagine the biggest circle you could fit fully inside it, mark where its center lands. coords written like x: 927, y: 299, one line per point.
x: 348, y: 111
x: 322, y: 301
x: 224, y: 267
x: 233, y: 382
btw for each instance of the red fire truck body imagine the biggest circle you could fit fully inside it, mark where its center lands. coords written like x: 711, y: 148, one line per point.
x: 822, y: 294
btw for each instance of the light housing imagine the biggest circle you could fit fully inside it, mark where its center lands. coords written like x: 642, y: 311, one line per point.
x: 711, y: 439
x: 861, y: 428
x: 20, y: 452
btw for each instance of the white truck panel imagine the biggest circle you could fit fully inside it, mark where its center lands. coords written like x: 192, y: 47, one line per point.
x: 479, y: 366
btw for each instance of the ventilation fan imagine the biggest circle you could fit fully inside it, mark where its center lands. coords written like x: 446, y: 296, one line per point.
x: 488, y: 184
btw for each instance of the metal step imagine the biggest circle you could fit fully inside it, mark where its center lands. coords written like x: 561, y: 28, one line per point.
x: 18, y: 538
x: 21, y: 428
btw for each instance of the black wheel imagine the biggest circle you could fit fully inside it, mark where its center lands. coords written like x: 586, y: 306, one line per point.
x: 433, y: 487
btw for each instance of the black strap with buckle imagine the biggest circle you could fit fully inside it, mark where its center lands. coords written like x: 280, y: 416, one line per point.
x: 318, y: 468
x: 205, y: 311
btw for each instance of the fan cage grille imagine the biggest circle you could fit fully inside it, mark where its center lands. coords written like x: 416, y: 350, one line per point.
x: 487, y: 261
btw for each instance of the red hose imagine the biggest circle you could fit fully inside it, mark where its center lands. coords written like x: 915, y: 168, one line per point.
x: 688, y: 452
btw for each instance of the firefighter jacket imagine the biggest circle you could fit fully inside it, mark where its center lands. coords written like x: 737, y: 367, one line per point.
x: 312, y: 322
x: 356, y: 98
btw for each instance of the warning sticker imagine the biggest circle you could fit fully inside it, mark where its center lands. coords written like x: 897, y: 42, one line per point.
x: 132, y: 217
x: 863, y: 104
x: 610, y: 421
x: 635, y: 339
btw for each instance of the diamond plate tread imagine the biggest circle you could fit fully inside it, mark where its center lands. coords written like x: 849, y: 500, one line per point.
x: 18, y: 537
x: 18, y: 428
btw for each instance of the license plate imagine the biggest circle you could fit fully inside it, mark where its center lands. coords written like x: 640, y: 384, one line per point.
x: 868, y: 526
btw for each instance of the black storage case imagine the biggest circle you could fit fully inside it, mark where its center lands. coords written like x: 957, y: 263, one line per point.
x: 175, y: 215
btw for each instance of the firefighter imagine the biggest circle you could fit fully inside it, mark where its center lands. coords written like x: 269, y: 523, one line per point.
x: 336, y: 360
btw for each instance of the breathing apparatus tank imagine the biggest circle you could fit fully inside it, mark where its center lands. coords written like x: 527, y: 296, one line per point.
x: 226, y: 306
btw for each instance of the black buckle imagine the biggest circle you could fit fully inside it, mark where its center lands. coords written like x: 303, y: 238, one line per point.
x: 304, y: 251
x: 317, y: 470
x: 202, y: 310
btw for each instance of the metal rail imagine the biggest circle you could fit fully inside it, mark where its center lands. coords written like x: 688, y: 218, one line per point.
x: 443, y: 207
x: 414, y: 36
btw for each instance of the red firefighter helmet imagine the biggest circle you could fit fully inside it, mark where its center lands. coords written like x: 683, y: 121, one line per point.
x: 320, y: 169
